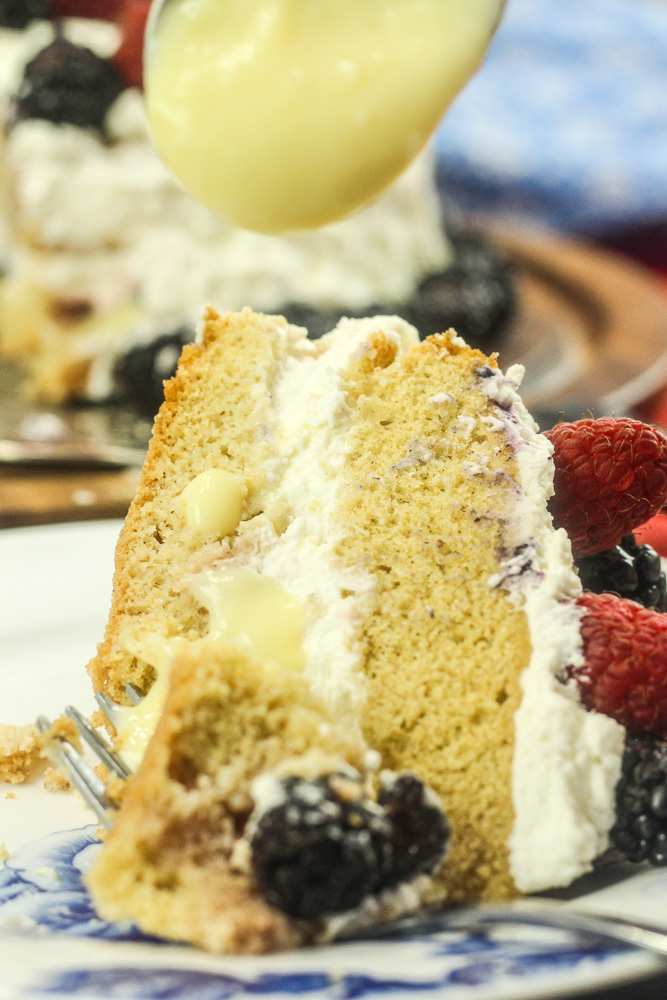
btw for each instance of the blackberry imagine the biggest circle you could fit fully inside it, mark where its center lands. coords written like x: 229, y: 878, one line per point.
x: 139, y: 373
x: 420, y: 831
x: 18, y: 14
x: 67, y: 84
x: 322, y: 849
x: 475, y: 295
x: 629, y: 570
x: 652, y: 584
x: 640, y: 828
x: 320, y: 321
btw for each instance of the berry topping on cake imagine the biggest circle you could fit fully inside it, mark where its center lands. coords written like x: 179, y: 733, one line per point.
x: 475, y: 295
x: 18, y: 14
x: 611, y: 477
x: 640, y: 829
x: 629, y: 570
x: 625, y: 670
x: 140, y: 372
x: 101, y: 10
x: 67, y: 84
x: 129, y: 57
x: 420, y: 829
x: 322, y: 849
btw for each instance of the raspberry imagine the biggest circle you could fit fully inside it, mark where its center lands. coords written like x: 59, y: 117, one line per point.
x: 611, y: 477
x: 129, y: 57
x: 629, y: 570
x: 625, y: 670
x: 639, y: 832
x: 67, y: 83
x: 101, y: 10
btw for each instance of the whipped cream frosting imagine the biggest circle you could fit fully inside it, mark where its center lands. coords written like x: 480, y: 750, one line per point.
x: 566, y: 760
x: 108, y: 220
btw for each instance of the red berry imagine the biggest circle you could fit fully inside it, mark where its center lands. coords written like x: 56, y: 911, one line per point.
x: 129, y: 56
x: 611, y: 476
x: 625, y: 670
x: 101, y: 10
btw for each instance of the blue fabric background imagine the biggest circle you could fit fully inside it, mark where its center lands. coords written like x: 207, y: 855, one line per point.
x: 565, y: 125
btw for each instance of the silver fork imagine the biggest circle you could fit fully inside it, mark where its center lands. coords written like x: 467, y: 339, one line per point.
x: 65, y: 756
x: 536, y: 911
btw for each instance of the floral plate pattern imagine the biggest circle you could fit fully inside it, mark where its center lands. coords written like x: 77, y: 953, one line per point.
x: 42, y: 897
x: 54, y: 589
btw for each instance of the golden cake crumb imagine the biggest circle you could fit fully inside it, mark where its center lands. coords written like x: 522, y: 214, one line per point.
x: 20, y: 748
x: 62, y: 728
x: 56, y: 781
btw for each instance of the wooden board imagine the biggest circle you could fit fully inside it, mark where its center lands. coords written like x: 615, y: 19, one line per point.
x: 39, y: 496
x: 591, y: 328
x: 591, y: 331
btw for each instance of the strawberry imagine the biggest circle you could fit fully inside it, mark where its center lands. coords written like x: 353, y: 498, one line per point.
x: 129, y: 56
x: 625, y: 670
x: 611, y: 477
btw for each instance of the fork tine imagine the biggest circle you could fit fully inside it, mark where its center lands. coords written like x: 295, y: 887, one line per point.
x: 134, y: 693
x: 97, y: 744
x: 80, y: 774
x: 107, y: 705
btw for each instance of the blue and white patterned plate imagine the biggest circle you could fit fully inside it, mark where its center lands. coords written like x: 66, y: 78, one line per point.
x: 54, y: 592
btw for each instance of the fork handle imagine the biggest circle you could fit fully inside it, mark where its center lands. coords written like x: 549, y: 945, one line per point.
x: 552, y: 913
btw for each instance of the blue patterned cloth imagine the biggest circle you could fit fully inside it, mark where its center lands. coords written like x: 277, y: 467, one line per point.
x: 566, y: 122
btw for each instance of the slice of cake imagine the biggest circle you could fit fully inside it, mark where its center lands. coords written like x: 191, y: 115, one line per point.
x: 343, y: 594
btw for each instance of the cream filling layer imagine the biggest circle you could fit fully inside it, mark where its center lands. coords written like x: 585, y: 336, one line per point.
x: 566, y: 760
x: 307, y: 445
x: 291, y: 584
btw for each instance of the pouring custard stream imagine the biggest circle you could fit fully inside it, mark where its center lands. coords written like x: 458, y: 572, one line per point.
x: 282, y: 115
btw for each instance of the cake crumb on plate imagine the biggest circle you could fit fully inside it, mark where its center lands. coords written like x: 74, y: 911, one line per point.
x: 20, y: 749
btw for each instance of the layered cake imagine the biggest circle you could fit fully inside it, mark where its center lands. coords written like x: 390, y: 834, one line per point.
x: 359, y: 638
x: 110, y: 259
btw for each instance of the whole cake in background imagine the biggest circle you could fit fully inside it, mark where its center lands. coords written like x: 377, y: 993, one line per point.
x: 108, y: 259
x: 372, y: 681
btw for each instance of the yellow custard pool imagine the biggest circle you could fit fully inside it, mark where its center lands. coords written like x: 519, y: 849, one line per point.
x: 283, y: 115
